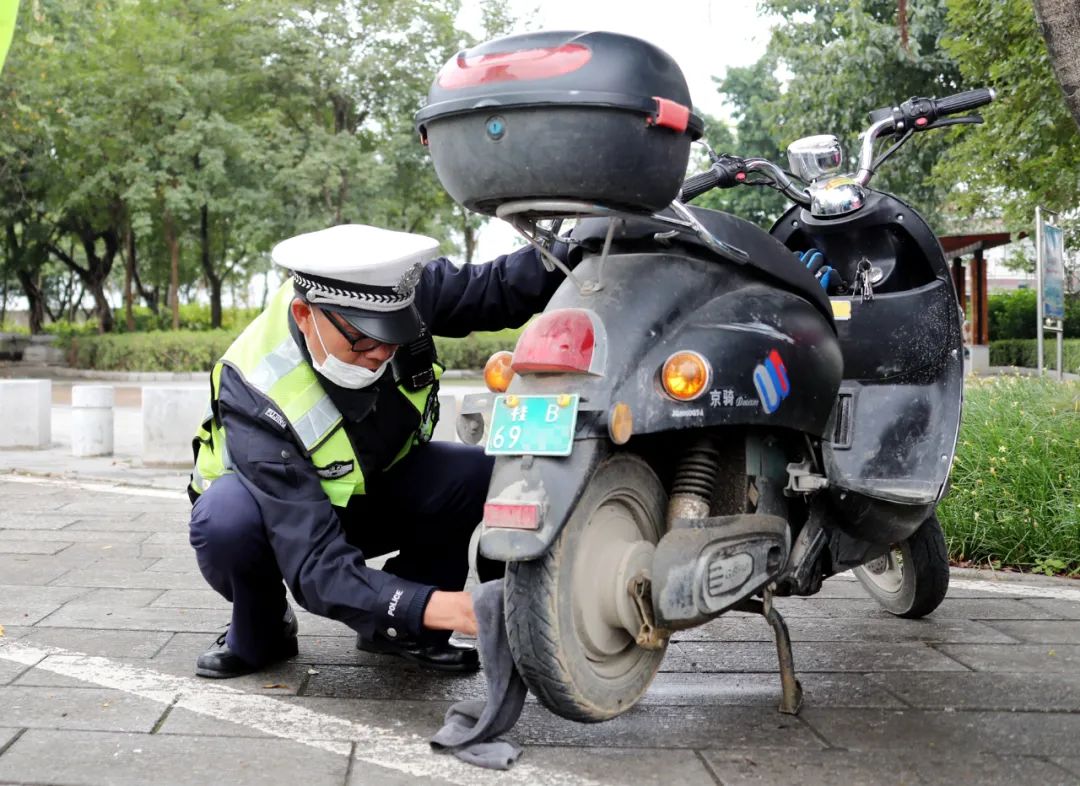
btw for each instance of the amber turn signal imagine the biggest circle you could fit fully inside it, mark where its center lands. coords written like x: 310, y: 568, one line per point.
x: 686, y: 375
x: 497, y: 371
x: 620, y: 423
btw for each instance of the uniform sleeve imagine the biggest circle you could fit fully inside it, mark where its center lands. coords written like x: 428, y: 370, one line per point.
x: 324, y: 572
x: 455, y: 301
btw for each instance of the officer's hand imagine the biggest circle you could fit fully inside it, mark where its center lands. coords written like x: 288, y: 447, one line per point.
x: 450, y: 611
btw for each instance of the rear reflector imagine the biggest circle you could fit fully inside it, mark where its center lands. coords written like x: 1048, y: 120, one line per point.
x: 562, y: 340
x: 521, y: 66
x: 501, y: 515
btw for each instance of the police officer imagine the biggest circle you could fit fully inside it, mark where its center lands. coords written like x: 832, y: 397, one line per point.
x: 315, y: 452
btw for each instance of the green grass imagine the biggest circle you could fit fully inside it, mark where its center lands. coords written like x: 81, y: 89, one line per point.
x: 1014, y: 500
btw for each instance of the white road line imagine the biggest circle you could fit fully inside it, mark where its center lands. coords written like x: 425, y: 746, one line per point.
x: 396, y: 750
x: 134, y: 491
x: 1016, y: 589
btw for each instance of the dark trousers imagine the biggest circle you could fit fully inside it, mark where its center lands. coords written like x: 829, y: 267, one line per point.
x: 426, y: 507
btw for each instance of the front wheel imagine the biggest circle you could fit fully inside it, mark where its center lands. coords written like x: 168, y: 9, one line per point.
x: 912, y: 579
x: 568, y: 613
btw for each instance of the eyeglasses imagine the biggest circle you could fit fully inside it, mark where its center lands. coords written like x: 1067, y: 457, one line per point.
x: 358, y: 342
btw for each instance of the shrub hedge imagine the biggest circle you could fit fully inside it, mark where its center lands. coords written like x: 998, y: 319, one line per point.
x: 1025, y: 353
x: 198, y: 350
x: 1012, y: 315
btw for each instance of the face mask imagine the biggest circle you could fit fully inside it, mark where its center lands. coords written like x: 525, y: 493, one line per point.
x: 346, y: 375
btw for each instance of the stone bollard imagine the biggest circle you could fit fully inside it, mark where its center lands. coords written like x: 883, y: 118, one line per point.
x: 446, y: 429
x: 170, y: 417
x: 92, y: 420
x: 25, y: 413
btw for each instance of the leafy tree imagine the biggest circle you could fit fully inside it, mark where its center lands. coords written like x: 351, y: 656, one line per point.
x: 1028, y: 153
x: 840, y: 60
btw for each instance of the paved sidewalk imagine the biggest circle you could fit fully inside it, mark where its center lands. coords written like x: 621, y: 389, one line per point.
x: 104, y: 611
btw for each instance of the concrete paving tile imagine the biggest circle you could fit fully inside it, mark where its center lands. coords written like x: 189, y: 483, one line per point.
x: 982, y: 608
x: 122, y: 579
x: 32, y: 569
x: 763, y: 690
x: 819, y: 656
x: 1070, y: 764
x: 99, y: 643
x: 1000, y: 733
x: 32, y: 547
x: 177, y: 538
x: 7, y: 735
x: 1040, y: 631
x: 114, y: 617
x: 1017, y: 657
x: 109, y: 598
x: 827, y: 768
x: 22, y: 594
x: 78, y: 708
x: 27, y: 518
x: 24, y: 614
x: 930, y: 629
x: 176, y: 564
x: 99, y: 552
x: 124, y: 523
x: 191, y: 599
x: 73, y: 536
x: 9, y: 670
x: 1055, y: 609
x: 642, y: 766
x: 668, y: 728
x: 375, y: 683
x: 830, y: 607
x: 158, y: 551
x: 984, y: 690
x: 365, y: 773
x: 92, y: 759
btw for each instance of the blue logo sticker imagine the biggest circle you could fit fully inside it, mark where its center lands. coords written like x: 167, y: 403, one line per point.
x: 771, y: 381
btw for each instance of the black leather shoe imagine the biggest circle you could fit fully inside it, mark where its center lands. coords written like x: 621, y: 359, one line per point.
x: 220, y: 662
x: 443, y: 656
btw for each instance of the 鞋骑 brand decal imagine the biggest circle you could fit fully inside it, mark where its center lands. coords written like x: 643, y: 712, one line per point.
x: 771, y: 381
x: 337, y: 469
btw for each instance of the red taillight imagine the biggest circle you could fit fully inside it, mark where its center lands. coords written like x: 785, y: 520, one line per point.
x: 502, y: 515
x: 520, y: 66
x: 563, y: 340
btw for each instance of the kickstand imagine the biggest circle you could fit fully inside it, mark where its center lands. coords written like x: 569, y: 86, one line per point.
x: 791, y: 696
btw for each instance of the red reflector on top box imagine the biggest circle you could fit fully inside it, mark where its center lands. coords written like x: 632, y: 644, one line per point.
x: 523, y: 65
x: 562, y: 340
x: 502, y: 515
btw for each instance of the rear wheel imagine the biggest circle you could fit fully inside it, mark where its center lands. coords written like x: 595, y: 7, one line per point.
x: 912, y: 579
x: 568, y: 614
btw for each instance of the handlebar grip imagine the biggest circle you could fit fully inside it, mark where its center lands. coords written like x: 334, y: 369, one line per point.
x: 962, y: 102
x: 698, y: 184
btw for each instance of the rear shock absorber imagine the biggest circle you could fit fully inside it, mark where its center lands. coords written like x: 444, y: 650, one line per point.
x: 695, y: 480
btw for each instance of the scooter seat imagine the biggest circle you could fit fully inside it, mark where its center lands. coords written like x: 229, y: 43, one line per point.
x: 767, y: 254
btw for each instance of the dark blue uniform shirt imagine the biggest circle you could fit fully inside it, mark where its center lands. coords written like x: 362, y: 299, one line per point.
x: 326, y: 574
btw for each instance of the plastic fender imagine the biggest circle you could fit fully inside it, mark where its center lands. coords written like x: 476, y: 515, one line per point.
x: 556, y: 483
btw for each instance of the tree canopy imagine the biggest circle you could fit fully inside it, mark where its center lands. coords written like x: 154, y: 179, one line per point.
x: 176, y: 141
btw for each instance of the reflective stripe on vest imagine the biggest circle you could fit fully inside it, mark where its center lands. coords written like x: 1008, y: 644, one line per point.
x: 268, y: 359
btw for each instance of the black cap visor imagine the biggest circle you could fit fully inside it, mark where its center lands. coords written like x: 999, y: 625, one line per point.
x: 390, y: 327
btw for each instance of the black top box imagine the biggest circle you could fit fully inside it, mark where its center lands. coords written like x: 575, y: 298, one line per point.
x: 584, y: 116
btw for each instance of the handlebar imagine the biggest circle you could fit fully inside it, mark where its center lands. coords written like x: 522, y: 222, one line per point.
x: 915, y: 114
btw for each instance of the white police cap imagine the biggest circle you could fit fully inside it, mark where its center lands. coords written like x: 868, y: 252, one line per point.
x: 365, y: 273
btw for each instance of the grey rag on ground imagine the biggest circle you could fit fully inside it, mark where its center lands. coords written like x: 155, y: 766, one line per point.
x: 472, y: 727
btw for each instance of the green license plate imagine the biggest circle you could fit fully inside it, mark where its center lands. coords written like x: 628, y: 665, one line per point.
x: 533, y: 425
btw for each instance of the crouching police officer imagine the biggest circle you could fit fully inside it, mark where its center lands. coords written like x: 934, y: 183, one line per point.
x: 315, y: 452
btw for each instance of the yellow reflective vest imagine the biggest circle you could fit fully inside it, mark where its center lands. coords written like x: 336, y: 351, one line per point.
x: 268, y: 359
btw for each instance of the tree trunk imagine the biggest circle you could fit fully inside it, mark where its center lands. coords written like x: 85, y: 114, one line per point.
x: 174, y: 268
x: 1059, y: 22
x: 470, y: 236
x: 129, y: 275
x: 34, y: 296
x: 213, y: 280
